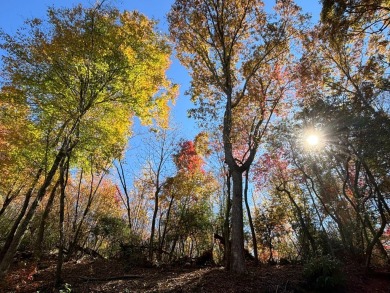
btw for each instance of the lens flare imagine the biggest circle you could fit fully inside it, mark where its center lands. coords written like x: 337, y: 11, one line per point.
x: 313, y: 140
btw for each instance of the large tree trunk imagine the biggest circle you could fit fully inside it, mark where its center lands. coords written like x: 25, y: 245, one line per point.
x: 237, y: 262
x: 252, y: 227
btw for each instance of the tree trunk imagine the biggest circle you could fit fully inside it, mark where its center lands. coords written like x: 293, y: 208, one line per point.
x: 237, y: 247
x: 301, y: 219
x: 122, y: 179
x: 76, y: 208
x: 151, y: 242
x: 376, y: 239
x: 226, y: 225
x: 41, y: 229
x: 328, y: 242
x: 11, y: 195
x: 11, y: 234
x: 162, y: 240
x: 252, y: 227
x: 64, y: 169
x: 11, y: 250
x: 91, y: 197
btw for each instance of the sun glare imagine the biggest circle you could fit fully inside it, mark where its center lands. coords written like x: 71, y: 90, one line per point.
x: 313, y: 140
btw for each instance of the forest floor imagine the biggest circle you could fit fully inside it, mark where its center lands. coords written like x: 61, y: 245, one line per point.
x: 89, y: 275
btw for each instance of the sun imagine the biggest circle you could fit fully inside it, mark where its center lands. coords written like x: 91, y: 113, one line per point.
x: 313, y: 140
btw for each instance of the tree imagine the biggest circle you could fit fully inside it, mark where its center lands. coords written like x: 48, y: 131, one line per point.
x: 356, y: 16
x: 239, y: 59
x: 187, y: 225
x: 83, y: 70
x: 345, y: 84
x: 160, y: 146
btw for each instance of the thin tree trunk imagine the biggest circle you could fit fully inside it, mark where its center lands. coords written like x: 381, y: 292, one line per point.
x: 122, y: 179
x: 165, y: 227
x: 237, y: 247
x: 328, y: 243
x: 76, y: 211
x: 155, y: 210
x: 270, y: 246
x: 301, y: 219
x: 12, y: 248
x: 226, y: 226
x: 364, y: 221
x: 252, y: 227
x: 22, y: 212
x: 41, y: 229
x: 91, y: 197
x: 11, y: 195
x: 173, y: 248
x: 376, y: 239
x: 64, y: 171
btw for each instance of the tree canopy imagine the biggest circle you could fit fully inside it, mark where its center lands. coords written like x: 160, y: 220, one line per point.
x: 290, y: 163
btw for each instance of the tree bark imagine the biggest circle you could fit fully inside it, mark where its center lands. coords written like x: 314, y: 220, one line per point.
x: 162, y: 240
x: 237, y: 262
x: 252, y: 227
x: 64, y: 170
x: 155, y: 210
x: 41, y: 229
x: 76, y: 208
x: 226, y: 225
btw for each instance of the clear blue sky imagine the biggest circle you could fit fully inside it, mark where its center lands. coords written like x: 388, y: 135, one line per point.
x: 14, y: 12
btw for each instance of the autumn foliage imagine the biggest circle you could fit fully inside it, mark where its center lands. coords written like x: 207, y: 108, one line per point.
x: 187, y: 159
x: 90, y: 165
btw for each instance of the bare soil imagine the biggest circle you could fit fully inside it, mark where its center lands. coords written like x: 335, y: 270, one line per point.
x: 90, y: 275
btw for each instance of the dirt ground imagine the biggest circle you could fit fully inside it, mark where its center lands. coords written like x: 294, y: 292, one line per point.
x: 89, y: 275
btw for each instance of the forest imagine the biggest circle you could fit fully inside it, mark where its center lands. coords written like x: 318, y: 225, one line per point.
x: 284, y: 187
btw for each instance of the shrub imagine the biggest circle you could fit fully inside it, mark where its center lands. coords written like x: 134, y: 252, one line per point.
x: 324, y: 273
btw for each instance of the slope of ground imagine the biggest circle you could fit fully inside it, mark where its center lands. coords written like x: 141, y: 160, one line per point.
x: 90, y: 275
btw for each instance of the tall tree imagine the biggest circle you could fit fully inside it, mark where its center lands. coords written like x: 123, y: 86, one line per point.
x: 78, y: 72
x: 238, y: 58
